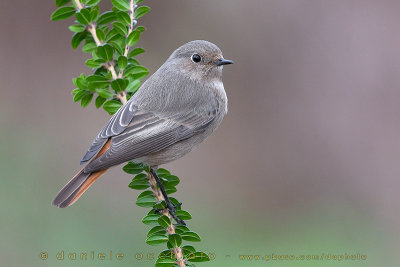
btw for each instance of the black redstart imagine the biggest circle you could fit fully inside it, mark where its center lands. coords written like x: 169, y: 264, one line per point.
x: 175, y: 110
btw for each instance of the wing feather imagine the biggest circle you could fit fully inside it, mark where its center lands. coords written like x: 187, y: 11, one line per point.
x: 116, y: 125
x: 151, y: 125
x: 146, y: 137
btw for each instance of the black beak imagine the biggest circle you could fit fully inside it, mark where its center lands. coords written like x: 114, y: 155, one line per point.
x: 221, y: 62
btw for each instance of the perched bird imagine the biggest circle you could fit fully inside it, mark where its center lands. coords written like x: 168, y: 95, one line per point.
x: 174, y: 110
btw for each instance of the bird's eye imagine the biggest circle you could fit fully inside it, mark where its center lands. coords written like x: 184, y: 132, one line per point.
x: 196, y: 58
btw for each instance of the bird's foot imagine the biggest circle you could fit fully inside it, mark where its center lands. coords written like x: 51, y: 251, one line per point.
x: 171, y: 209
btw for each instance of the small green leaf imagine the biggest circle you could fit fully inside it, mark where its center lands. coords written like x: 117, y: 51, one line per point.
x: 105, y: 52
x: 94, y: 63
x: 170, y: 191
x: 140, y: 75
x: 91, y: 63
x: 188, y: 250
x: 63, y: 13
x: 86, y: 99
x: 104, y: 93
x: 190, y: 236
x: 112, y: 106
x: 121, y: 4
x: 94, y: 13
x: 92, y: 2
x: 124, y: 18
x: 106, y: 18
x: 162, y: 172
x: 164, y: 221
x: 141, y: 11
x: 77, y: 28
x: 133, y: 168
x: 122, y: 62
x: 62, y: 2
x: 133, y: 38
x: 100, y: 34
x: 78, y: 94
x: 119, y: 46
x: 141, y: 28
x: 133, y: 86
x: 101, y: 71
x: 183, y: 215
x: 100, y: 101
x: 119, y: 85
x: 77, y: 39
x: 138, y: 1
x: 120, y: 28
x: 97, y: 81
x: 133, y: 62
x: 181, y: 228
x: 146, y: 202
x: 135, y: 52
x: 175, y: 240
x: 132, y: 69
x: 80, y: 82
x: 155, y: 240
x: 146, y: 193
x: 83, y: 16
x: 112, y: 35
x: 171, y: 180
x: 166, y: 262
x: 198, y: 257
x: 82, y: 79
x: 156, y: 230
x: 151, y: 219
x: 140, y: 181
x: 89, y: 47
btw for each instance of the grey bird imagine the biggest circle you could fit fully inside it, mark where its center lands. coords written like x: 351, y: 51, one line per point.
x: 174, y: 110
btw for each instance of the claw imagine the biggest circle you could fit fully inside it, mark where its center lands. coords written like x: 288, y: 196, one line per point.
x: 178, y: 205
x: 157, y: 211
x: 172, y: 208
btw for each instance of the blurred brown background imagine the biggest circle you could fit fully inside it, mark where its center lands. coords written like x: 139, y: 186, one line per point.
x: 306, y: 162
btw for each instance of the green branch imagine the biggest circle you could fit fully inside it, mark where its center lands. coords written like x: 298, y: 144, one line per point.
x: 116, y: 76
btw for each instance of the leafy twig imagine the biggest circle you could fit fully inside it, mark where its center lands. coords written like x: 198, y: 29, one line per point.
x: 108, y: 37
x: 109, y: 65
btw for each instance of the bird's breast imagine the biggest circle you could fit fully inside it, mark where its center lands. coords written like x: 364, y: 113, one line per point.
x: 218, y: 89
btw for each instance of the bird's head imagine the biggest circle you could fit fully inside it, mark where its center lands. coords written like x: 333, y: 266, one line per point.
x: 199, y: 59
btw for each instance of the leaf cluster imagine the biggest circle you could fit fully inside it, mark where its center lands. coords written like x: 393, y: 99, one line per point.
x: 112, y: 51
x: 110, y: 39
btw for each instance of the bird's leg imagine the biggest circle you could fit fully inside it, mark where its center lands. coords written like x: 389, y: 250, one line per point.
x: 171, y: 208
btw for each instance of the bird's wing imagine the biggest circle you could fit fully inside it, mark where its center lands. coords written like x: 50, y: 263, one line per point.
x: 116, y: 125
x: 150, y: 132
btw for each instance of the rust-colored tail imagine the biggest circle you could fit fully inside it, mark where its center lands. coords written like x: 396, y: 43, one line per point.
x: 75, y: 188
x: 78, y: 185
